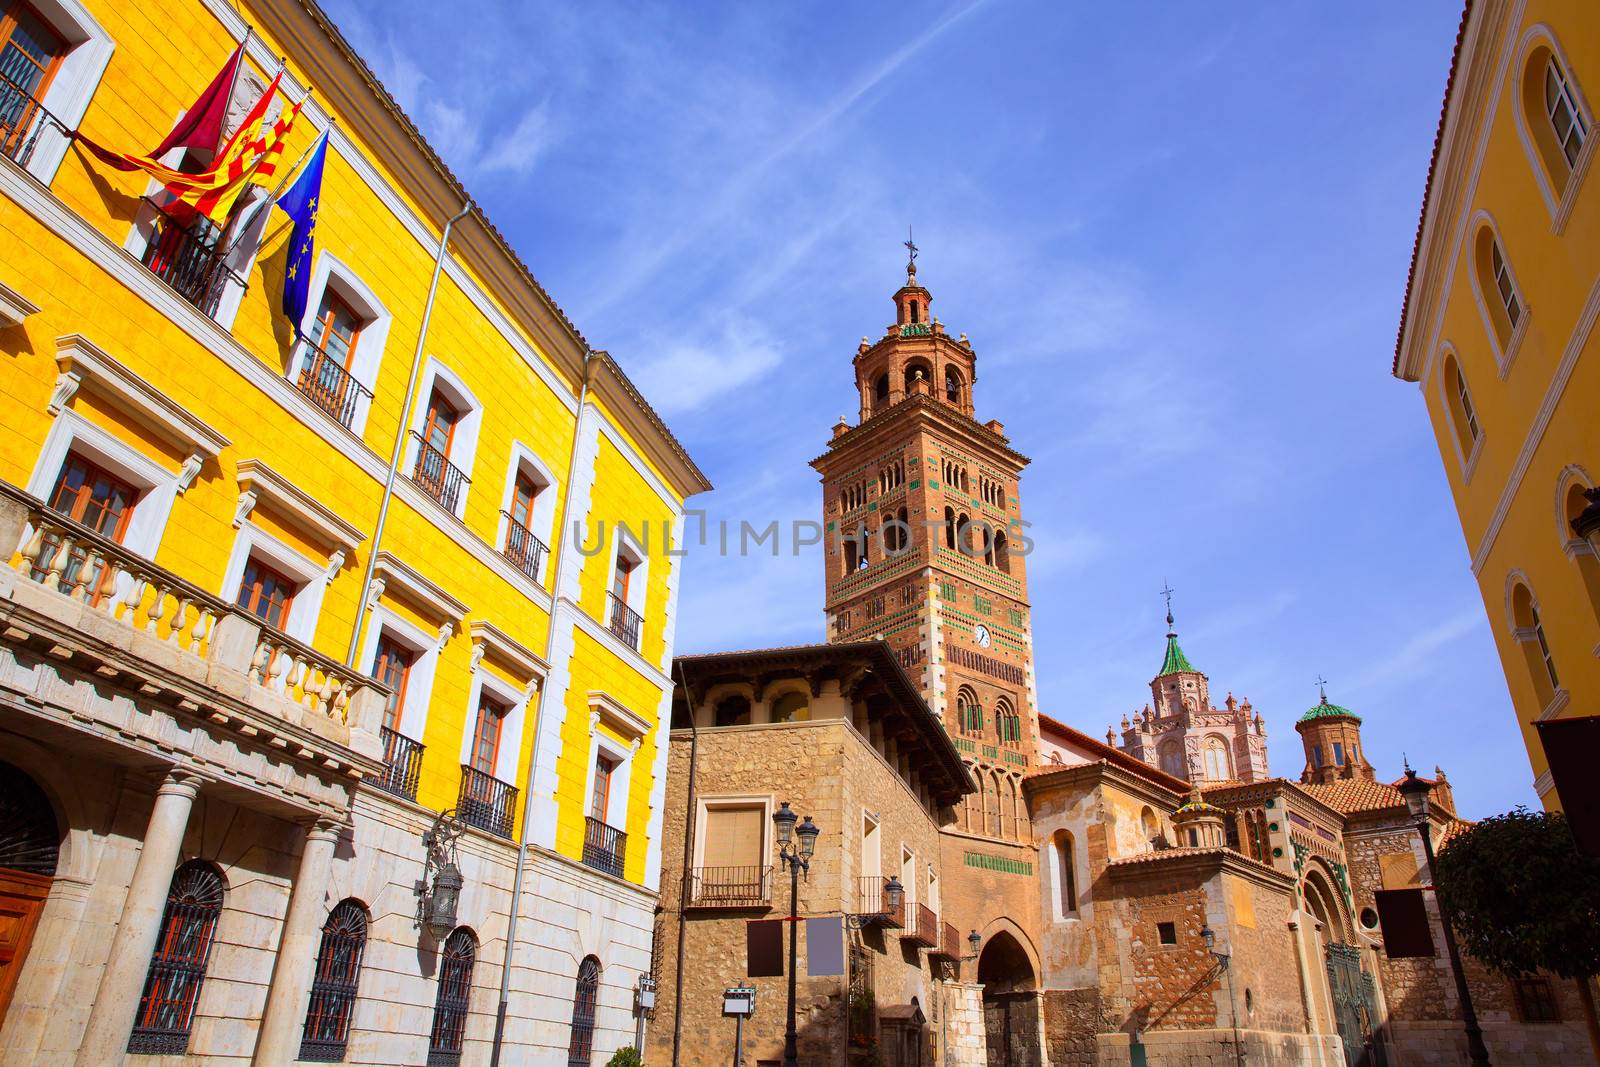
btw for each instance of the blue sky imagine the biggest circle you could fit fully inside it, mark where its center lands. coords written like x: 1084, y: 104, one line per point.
x: 1178, y: 241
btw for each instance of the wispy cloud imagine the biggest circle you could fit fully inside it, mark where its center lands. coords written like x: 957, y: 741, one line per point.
x: 1418, y: 657
x: 518, y: 150
x: 690, y: 374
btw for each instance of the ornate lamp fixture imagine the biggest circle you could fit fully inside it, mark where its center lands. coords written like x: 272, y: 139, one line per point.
x: 437, y: 903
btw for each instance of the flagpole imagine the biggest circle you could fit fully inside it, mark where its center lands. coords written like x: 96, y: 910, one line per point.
x: 233, y: 85
x: 332, y: 121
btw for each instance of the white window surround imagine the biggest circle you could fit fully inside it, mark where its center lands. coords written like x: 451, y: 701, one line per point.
x: 331, y: 273
x: 1468, y: 460
x: 617, y: 797
x: 158, y: 486
x: 526, y: 462
x: 603, y: 707
x: 1053, y: 873
x: 1559, y: 207
x: 311, y: 578
x: 516, y: 703
x: 464, y: 441
x: 391, y: 576
x: 259, y: 483
x: 721, y: 802
x: 629, y: 548
x: 425, y: 648
x: 1571, y: 544
x: 75, y: 82
x: 908, y: 877
x: 1504, y: 355
x: 871, y: 845
x: 14, y: 307
x: 488, y: 640
x: 83, y: 364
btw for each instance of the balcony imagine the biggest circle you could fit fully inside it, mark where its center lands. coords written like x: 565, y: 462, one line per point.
x: 486, y: 802
x: 191, y: 258
x: 730, y: 887
x: 437, y: 476
x: 202, y: 666
x: 623, y: 621
x: 22, y: 120
x: 522, y: 548
x: 949, y: 946
x: 605, y: 848
x: 925, y: 930
x: 326, y: 383
x: 402, y: 765
x: 874, y: 903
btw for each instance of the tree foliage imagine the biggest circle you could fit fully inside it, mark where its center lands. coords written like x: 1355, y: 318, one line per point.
x: 1521, y: 896
x: 627, y: 1056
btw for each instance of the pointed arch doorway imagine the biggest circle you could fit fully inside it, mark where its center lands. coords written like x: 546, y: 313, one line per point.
x: 1010, y: 1003
x: 30, y: 844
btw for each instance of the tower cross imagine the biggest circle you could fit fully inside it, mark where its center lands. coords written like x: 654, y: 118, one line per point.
x: 911, y: 245
x: 1166, y: 591
x: 1322, y: 687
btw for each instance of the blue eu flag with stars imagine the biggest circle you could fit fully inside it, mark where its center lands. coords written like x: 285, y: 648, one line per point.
x: 301, y: 201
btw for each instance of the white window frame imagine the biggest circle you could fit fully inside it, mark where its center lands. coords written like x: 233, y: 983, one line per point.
x: 310, y: 577
x: 1468, y: 460
x: 464, y: 441
x: 908, y: 862
x: 621, y: 778
x: 876, y: 837
x: 628, y: 547
x: 1559, y: 205
x: 705, y: 805
x: 1504, y: 355
x: 412, y: 715
x: 525, y: 461
x: 158, y: 486
x: 332, y: 273
x: 89, y: 49
x: 516, y: 702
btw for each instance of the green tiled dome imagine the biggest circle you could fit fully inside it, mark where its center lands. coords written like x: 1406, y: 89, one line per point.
x: 1324, y: 710
x: 1176, y: 660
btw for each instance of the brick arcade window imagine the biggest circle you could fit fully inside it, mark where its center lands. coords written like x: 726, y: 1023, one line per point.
x: 1167, y: 933
x: 1536, y: 1000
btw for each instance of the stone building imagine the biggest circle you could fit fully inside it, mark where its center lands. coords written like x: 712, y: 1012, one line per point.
x: 293, y: 637
x: 839, y: 733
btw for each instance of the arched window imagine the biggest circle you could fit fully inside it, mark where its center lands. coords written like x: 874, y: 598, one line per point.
x: 587, y: 993
x: 1066, y: 874
x: 1215, y: 754
x: 881, y: 390
x: 1528, y: 629
x: 952, y: 385
x: 733, y: 711
x: 1554, y: 113
x: 964, y: 534
x: 1463, y: 416
x: 1497, y: 286
x: 178, y: 965
x: 911, y: 305
x: 1007, y: 724
x: 1172, y: 759
x: 453, y: 998
x: 969, y: 714
x: 1582, y: 553
x: 791, y: 707
x: 949, y: 527
x: 1150, y: 826
x: 1002, y: 552
x: 333, y: 986
x: 916, y: 372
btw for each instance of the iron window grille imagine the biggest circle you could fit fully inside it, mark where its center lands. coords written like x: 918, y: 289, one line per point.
x: 450, y: 1008
x: 333, y: 989
x: 581, y: 1047
x: 178, y: 966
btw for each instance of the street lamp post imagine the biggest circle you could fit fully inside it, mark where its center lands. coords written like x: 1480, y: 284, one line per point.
x: 1224, y: 961
x: 797, y: 857
x: 1416, y: 791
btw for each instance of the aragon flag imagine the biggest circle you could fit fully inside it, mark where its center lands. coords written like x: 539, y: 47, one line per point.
x: 200, y: 127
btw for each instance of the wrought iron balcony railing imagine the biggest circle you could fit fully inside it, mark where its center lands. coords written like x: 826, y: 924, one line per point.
x: 949, y: 946
x: 623, y: 621
x: 402, y: 764
x: 437, y: 476
x: 605, y: 848
x: 522, y: 548
x: 190, y: 256
x: 730, y: 887
x: 327, y: 384
x: 22, y: 120
x: 875, y: 905
x: 924, y: 930
x: 486, y: 802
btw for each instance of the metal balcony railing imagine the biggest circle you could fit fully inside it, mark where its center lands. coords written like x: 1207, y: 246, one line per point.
x: 437, y: 476
x: 924, y: 930
x: 522, y: 548
x: 486, y: 802
x: 626, y: 623
x: 949, y: 946
x: 730, y: 887
x: 875, y: 906
x: 22, y: 120
x: 605, y: 848
x: 326, y: 383
x: 190, y: 257
x: 402, y: 764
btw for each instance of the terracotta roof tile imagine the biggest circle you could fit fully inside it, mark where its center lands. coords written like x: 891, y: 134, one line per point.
x: 1161, y: 854
x: 1356, y: 794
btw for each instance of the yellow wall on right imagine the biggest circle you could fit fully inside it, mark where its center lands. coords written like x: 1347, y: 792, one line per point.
x: 1498, y: 332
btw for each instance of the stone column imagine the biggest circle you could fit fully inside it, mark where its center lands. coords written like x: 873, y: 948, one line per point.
x: 116, y: 1004
x: 283, y: 1021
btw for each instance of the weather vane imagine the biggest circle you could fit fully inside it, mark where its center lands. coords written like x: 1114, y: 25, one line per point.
x: 911, y: 245
x: 1322, y: 687
x: 1166, y: 591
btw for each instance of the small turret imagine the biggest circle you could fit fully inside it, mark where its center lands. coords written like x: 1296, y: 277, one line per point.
x: 1331, y: 736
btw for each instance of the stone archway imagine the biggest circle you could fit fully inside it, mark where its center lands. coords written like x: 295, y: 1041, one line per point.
x: 1010, y: 1003
x: 30, y: 846
x: 1351, y: 1001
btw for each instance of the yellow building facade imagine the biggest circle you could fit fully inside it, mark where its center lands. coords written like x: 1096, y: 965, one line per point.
x: 1498, y: 332
x: 436, y: 520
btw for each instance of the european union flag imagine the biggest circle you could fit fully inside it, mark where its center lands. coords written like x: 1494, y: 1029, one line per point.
x: 301, y: 202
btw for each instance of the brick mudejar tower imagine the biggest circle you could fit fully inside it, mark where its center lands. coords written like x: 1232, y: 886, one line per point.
x: 924, y: 549
x: 1332, y: 739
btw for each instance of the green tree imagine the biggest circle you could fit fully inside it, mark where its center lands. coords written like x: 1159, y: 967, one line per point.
x: 1522, y: 898
x: 627, y: 1056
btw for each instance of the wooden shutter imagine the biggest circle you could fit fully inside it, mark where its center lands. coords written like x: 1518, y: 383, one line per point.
x: 733, y: 837
x: 1404, y: 920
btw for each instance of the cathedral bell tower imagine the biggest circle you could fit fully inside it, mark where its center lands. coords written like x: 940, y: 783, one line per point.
x: 923, y: 537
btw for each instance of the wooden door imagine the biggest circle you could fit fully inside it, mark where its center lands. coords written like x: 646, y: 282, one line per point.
x: 22, y: 898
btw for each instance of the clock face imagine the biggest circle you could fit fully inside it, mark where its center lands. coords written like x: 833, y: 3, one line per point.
x: 980, y: 633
